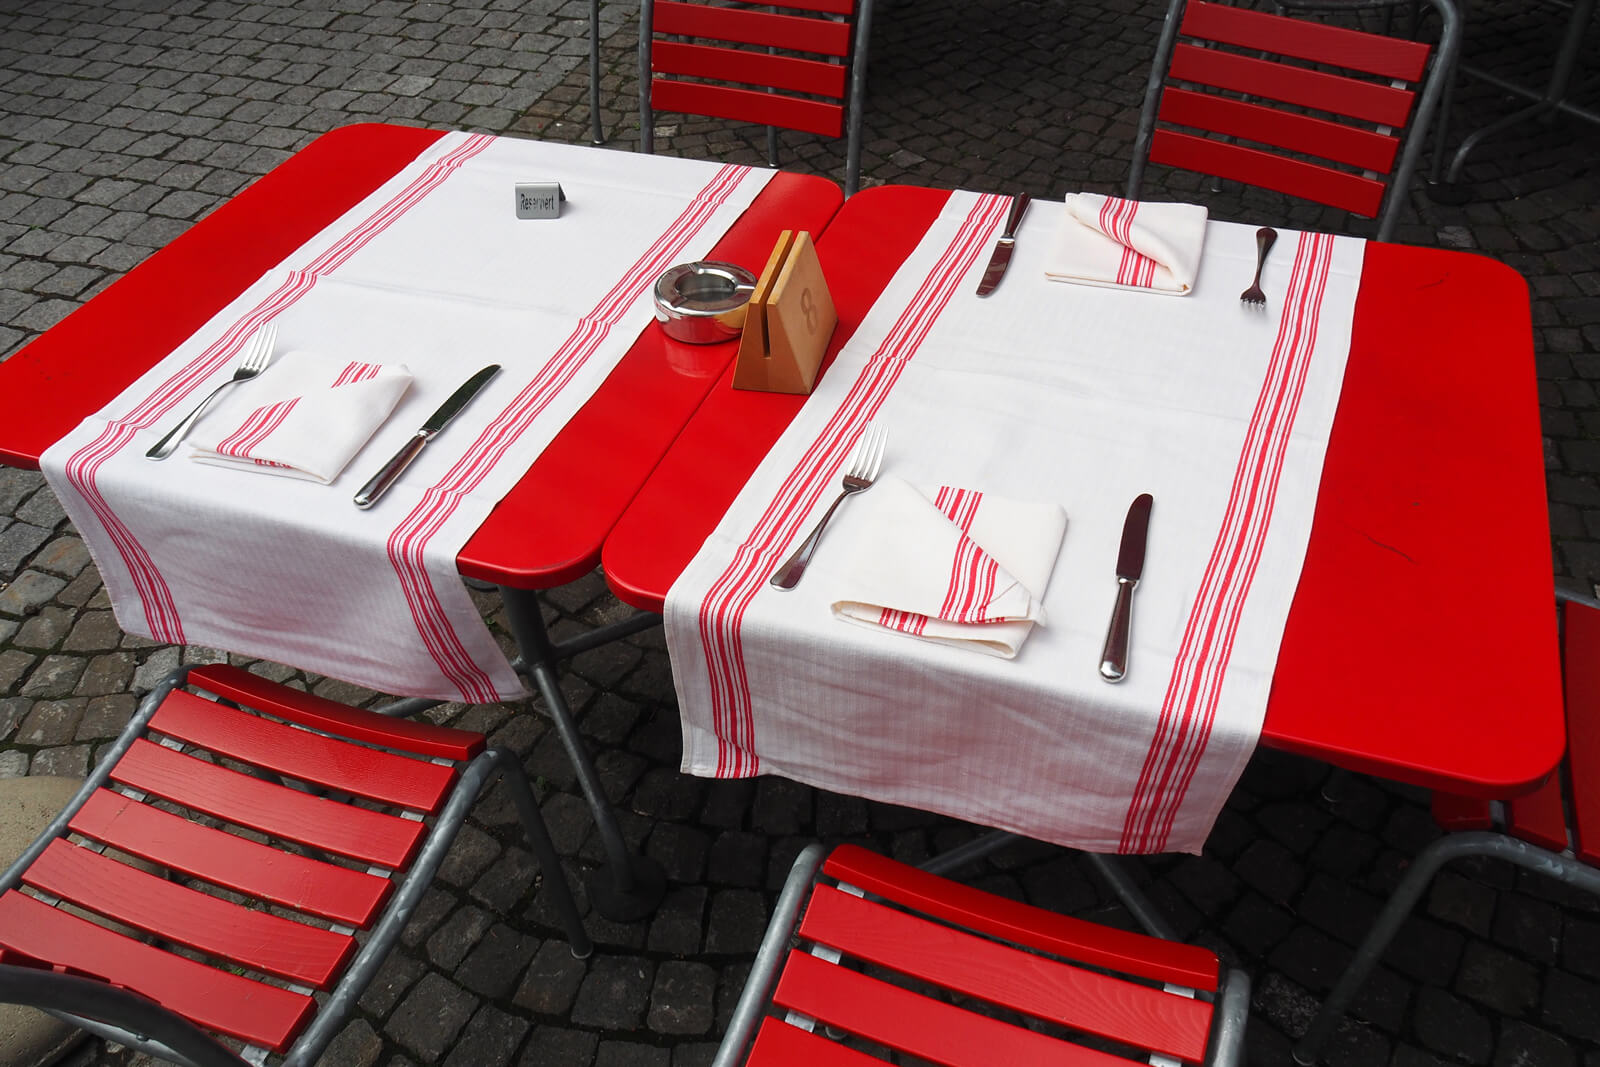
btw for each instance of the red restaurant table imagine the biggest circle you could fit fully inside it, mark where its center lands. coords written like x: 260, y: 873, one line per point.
x: 550, y: 528
x: 1421, y: 644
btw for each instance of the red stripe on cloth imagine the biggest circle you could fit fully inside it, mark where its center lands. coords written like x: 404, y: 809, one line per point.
x: 1195, y: 686
x: 83, y: 467
x: 723, y: 609
x: 255, y: 429
x: 356, y: 372
x: 409, y: 540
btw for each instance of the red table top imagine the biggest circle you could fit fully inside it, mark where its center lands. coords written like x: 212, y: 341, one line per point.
x: 1421, y: 644
x: 550, y: 528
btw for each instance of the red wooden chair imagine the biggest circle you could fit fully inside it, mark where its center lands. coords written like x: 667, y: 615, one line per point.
x: 1320, y: 112
x: 287, y: 828
x: 796, y: 64
x: 1555, y: 831
x: 895, y: 959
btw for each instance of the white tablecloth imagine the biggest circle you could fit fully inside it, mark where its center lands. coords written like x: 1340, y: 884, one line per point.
x: 1087, y: 396
x: 433, y: 271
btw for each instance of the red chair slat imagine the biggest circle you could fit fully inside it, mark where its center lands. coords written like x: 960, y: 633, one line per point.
x: 795, y: 32
x: 299, y: 882
x: 1352, y: 145
x: 1540, y: 816
x: 344, y: 829
x: 1351, y: 97
x: 1581, y: 641
x: 778, y: 1044
x: 217, y: 1000
x: 918, y: 1025
x: 296, y: 753
x: 1119, y: 950
x: 1336, y: 188
x: 319, y: 713
x: 258, y: 939
x: 753, y: 68
x: 1036, y: 985
x: 825, y: 7
x: 1386, y: 57
x: 748, y: 105
x: 1453, y: 812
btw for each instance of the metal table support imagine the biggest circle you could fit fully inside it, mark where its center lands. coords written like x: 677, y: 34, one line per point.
x: 594, y: 72
x: 630, y: 886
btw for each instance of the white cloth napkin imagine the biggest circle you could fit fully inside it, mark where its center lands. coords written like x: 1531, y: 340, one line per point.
x: 953, y: 566
x: 1038, y: 392
x: 1128, y: 244
x: 306, y: 416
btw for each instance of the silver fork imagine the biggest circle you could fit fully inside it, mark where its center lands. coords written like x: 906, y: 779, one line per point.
x: 864, y: 464
x: 258, y: 351
x: 1265, y: 238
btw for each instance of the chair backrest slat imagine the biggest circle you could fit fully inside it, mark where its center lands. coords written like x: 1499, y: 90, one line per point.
x: 1340, y: 189
x: 1581, y: 639
x: 343, y: 829
x: 1366, y: 101
x: 1072, y: 996
x: 752, y: 68
x: 1384, y: 57
x: 244, y: 866
x: 219, y: 1000
x: 748, y: 105
x: 1351, y: 145
x: 798, y: 33
x: 259, y: 940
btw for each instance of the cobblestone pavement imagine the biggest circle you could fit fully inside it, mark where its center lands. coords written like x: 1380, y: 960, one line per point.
x: 123, y: 122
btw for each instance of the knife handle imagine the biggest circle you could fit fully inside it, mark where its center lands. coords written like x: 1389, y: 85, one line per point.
x: 1114, y: 657
x: 391, y: 472
x: 1019, y: 204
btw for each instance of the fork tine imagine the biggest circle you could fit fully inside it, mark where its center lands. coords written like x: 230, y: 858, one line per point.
x: 265, y: 339
x: 878, y: 436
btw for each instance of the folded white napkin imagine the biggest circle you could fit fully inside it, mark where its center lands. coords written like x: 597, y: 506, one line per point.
x: 305, y: 417
x: 1128, y: 244
x: 954, y: 566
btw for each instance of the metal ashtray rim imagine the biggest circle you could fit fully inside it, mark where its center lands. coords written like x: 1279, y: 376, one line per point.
x: 703, y: 302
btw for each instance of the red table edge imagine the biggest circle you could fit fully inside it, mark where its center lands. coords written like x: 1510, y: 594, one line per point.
x: 645, y: 553
x: 550, y: 516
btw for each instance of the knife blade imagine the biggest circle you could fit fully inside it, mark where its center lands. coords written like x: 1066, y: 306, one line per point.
x: 391, y: 471
x: 1000, y: 258
x: 1130, y: 565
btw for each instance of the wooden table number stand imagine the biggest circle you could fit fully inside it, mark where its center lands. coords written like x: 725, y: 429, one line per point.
x: 789, y: 321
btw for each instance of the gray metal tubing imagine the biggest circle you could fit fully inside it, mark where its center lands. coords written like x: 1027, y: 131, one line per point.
x: 97, y: 777
x: 1152, y: 97
x: 115, y: 1013
x: 1453, y: 846
x: 1231, y: 1015
x: 647, y: 124
x: 594, y: 72
x: 404, y: 709
x: 1112, y: 869
x: 543, y: 848
x: 333, y: 1014
x: 752, y: 1006
x: 976, y: 849
x: 522, y: 611
x: 858, y: 99
x: 604, y: 635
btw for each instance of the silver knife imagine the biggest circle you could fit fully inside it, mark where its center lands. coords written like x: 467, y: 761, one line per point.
x: 392, y: 470
x: 1130, y: 564
x: 1000, y: 259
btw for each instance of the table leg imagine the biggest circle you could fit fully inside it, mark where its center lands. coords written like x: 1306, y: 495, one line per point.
x: 630, y: 886
x: 594, y: 71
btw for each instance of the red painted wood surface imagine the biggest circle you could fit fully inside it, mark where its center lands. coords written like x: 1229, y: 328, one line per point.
x: 1454, y: 812
x: 1388, y: 57
x: 549, y: 529
x: 259, y: 940
x: 320, y: 713
x: 1091, y: 943
x: 797, y: 33
x: 283, y: 878
x: 1351, y: 97
x: 753, y: 68
x: 215, y: 999
x: 1267, y: 170
x: 1246, y: 121
x: 1582, y: 639
x: 344, y: 829
x: 301, y: 754
x: 922, y: 1027
x: 1441, y: 350
x: 778, y: 1044
x: 748, y: 105
x: 1036, y: 985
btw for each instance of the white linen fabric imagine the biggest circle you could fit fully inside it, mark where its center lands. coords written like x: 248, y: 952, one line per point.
x: 955, y: 566
x: 1128, y: 244
x: 1080, y: 395
x: 432, y: 271
x: 305, y: 416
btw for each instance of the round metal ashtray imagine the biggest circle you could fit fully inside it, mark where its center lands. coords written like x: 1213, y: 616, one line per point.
x: 703, y: 302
